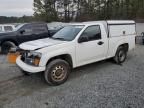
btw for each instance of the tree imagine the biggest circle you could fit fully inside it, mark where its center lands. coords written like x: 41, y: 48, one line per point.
x: 84, y: 10
x: 23, y: 19
x: 45, y: 10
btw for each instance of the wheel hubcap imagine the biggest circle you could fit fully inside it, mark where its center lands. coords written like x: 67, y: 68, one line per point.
x: 58, y: 73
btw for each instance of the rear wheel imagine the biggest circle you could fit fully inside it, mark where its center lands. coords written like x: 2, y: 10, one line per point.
x: 6, y: 46
x: 57, y: 72
x: 121, y: 55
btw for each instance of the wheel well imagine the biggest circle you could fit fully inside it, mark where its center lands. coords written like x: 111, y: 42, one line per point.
x: 10, y: 41
x: 125, y: 46
x: 65, y: 57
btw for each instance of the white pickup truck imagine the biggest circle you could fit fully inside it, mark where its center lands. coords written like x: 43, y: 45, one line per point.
x: 76, y: 45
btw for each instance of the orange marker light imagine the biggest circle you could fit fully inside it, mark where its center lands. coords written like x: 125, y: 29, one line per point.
x: 36, y: 61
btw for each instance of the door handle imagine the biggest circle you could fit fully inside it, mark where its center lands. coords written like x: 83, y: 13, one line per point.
x: 100, y: 43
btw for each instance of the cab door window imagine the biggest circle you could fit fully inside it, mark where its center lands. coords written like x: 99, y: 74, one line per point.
x: 92, y: 33
x: 26, y: 30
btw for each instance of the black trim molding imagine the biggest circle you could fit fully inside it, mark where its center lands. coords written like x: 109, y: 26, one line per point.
x: 122, y: 24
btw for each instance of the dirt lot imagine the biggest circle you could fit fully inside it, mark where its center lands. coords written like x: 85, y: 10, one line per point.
x: 99, y: 85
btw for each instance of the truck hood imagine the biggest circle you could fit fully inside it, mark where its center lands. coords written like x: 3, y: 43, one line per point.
x: 38, y: 44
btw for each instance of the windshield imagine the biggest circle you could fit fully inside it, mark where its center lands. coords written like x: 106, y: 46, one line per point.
x: 68, y: 33
x: 18, y: 27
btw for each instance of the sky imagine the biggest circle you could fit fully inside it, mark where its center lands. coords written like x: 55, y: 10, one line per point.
x: 16, y: 7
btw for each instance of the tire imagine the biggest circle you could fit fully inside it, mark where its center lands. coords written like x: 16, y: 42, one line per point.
x: 57, y: 72
x: 6, y: 46
x: 120, y: 56
x: 26, y: 73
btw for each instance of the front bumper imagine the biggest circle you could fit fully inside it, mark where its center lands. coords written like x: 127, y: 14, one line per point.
x: 28, y: 68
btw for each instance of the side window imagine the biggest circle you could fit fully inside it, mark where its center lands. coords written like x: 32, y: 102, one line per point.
x: 26, y: 29
x: 39, y: 28
x: 92, y: 33
x: 8, y: 28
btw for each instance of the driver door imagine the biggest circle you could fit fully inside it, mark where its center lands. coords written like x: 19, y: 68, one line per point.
x: 92, y: 49
x: 25, y: 33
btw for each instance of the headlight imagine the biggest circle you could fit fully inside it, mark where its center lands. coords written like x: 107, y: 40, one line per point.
x: 33, y: 58
x: 35, y: 54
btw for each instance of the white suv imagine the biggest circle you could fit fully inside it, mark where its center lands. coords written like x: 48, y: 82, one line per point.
x: 6, y: 28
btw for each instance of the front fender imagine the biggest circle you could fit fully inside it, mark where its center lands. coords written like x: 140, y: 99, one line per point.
x: 47, y: 56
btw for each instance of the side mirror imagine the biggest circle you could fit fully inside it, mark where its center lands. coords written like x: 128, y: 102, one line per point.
x: 22, y: 31
x: 83, y: 39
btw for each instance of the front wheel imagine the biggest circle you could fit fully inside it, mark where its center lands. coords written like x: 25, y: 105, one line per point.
x: 26, y: 73
x: 6, y: 46
x: 57, y: 72
x: 120, y: 56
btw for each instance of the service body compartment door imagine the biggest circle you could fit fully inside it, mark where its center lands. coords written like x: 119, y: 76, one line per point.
x: 121, y: 30
x: 121, y: 33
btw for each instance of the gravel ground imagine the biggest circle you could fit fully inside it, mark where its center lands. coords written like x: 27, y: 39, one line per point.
x: 99, y: 85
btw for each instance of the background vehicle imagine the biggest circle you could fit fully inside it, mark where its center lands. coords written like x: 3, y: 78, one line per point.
x: 6, y: 28
x: 23, y: 33
x: 77, y: 45
x: 56, y: 26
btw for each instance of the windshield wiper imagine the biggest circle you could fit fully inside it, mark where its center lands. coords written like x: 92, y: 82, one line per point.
x: 59, y: 38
